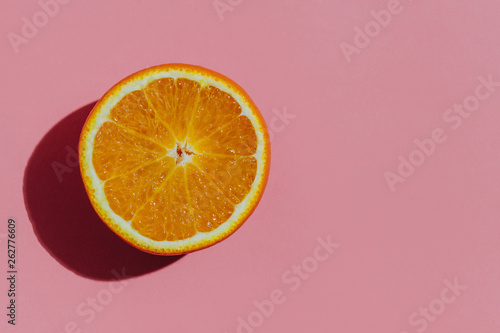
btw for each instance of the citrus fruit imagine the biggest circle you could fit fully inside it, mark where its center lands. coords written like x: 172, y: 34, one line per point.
x: 174, y: 158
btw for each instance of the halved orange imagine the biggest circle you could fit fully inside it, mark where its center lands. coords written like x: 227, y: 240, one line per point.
x: 174, y: 158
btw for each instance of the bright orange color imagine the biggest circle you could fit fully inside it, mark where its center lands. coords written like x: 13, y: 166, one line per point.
x: 174, y: 158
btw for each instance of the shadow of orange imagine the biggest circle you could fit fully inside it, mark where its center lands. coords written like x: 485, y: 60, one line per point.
x: 63, y: 219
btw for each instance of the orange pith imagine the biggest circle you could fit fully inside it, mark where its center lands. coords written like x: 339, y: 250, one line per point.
x: 174, y: 158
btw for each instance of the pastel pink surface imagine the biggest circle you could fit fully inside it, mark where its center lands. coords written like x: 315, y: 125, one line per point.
x: 348, y: 123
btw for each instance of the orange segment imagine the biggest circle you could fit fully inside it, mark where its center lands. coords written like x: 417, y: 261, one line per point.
x: 215, y: 109
x: 161, y: 95
x: 167, y: 214
x: 233, y: 175
x: 135, y: 113
x: 128, y: 192
x: 236, y: 138
x: 210, y: 206
x: 174, y: 158
x: 187, y: 96
x: 174, y: 101
x: 117, y: 151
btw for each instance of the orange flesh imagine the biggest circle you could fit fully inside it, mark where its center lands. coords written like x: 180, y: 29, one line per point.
x: 175, y: 158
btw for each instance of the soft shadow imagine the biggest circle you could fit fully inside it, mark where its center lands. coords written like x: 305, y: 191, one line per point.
x: 63, y: 218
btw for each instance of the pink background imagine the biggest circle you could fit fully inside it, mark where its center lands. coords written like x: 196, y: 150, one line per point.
x: 351, y: 123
